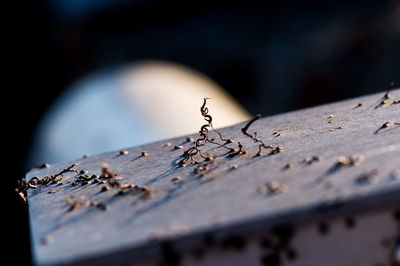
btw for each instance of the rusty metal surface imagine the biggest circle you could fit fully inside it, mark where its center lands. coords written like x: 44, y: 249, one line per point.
x: 227, y: 198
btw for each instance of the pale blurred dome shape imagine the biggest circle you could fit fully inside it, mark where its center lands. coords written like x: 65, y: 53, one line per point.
x: 137, y: 104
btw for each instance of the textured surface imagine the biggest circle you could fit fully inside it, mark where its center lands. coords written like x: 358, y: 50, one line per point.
x: 225, y: 199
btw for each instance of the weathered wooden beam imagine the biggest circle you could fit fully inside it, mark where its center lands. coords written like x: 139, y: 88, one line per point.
x: 330, y: 197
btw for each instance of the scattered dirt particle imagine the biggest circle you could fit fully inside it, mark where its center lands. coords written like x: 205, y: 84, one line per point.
x: 368, y: 177
x: 144, y: 153
x: 209, y: 159
x: 273, y: 187
x: 166, y: 144
x: 329, y: 118
x: 313, y: 159
x: 176, y: 178
x: 288, y: 166
x: 358, y: 105
x: 123, y: 152
x: 349, y: 161
x: 104, y: 188
x: 178, y: 147
x: 387, y: 100
x: 147, y: 192
x: 386, y: 125
x: 53, y: 191
x: 190, y: 140
x: 335, y: 128
x: 46, y: 240
x: 277, y: 133
x: 102, y: 206
x: 272, y: 150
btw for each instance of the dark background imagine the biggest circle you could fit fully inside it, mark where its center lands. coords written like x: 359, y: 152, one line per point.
x: 272, y: 56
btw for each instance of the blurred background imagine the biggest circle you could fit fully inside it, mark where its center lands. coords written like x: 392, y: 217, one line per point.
x: 76, y: 65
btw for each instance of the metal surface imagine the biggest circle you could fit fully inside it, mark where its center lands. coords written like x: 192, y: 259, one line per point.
x: 225, y: 201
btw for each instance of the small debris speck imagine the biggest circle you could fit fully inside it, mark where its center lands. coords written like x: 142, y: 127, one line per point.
x: 178, y: 147
x: 335, y: 128
x: 313, y: 159
x: 124, y: 152
x: 368, y: 177
x: 46, y: 240
x: 330, y: 118
x: 176, y: 178
x: 102, y: 206
x: 288, y: 166
x: 104, y: 188
x: 349, y: 161
x: 144, y: 153
x: 273, y: 187
x: 358, y: 105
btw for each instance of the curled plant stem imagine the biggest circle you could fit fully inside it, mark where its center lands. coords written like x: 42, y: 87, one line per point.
x: 238, y: 152
x: 254, y: 137
x: 245, y: 130
x: 188, y: 155
x: 23, y: 186
x: 208, y: 118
